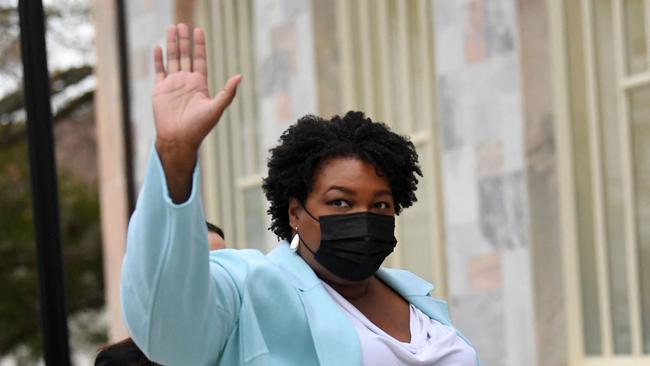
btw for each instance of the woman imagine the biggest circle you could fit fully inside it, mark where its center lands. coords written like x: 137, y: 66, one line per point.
x: 334, y: 189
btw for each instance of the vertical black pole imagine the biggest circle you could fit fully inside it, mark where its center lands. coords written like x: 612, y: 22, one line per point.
x: 123, y: 44
x: 44, y: 185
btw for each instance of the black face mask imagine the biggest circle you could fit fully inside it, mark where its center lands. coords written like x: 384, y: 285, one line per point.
x: 353, y: 246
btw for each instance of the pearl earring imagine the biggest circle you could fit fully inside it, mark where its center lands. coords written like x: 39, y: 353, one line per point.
x: 294, y: 242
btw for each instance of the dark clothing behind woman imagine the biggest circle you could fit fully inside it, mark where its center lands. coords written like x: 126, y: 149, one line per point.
x: 124, y: 353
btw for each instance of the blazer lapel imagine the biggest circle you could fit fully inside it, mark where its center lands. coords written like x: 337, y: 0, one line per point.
x: 417, y: 292
x: 335, y: 339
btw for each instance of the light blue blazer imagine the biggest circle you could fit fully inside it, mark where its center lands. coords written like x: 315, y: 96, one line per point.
x: 184, y: 305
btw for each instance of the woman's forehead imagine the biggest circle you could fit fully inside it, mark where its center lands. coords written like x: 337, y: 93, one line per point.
x: 348, y: 173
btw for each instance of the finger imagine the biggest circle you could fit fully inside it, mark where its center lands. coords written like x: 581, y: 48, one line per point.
x: 184, y: 44
x: 200, y: 63
x: 172, y: 49
x: 225, y: 96
x: 159, y: 67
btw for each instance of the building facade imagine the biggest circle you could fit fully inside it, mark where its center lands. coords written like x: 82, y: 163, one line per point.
x: 532, y: 121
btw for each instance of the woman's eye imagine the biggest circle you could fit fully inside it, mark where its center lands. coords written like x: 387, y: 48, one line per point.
x: 382, y: 205
x: 339, y: 203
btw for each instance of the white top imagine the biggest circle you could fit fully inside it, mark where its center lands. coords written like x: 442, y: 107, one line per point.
x: 432, y: 343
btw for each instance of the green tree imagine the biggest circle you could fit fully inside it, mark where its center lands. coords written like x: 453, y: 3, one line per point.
x: 79, y: 213
x: 78, y: 199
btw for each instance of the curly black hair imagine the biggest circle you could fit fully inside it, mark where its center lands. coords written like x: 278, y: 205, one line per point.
x: 312, y: 140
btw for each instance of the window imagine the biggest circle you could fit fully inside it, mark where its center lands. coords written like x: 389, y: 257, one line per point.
x: 233, y: 160
x: 606, y: 165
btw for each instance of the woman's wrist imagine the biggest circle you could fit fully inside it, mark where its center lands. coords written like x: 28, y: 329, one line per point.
x: 178, y: 161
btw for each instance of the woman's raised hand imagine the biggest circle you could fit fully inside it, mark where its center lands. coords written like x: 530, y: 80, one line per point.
x: 184, y: 112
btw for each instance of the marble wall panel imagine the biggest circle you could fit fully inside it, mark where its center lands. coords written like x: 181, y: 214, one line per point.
x: 520, y: 331
x: 449, y: 44
x: 285, y: 61
x: 484, y: 180
x: 461, y: 194
x: 469, y: 255
x: 449, y: 134
x: 483, y: 324
x: 502, y: 208
x: 500, y: 19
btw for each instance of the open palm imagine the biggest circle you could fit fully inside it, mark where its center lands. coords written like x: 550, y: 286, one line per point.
x: 184, y: 112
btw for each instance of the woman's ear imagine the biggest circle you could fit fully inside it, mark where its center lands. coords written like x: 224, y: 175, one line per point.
x: 294, y: 209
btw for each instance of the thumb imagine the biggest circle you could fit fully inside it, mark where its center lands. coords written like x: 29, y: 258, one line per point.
x: 223, y: 99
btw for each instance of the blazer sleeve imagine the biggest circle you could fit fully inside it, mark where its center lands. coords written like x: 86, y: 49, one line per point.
x: 179, y: 308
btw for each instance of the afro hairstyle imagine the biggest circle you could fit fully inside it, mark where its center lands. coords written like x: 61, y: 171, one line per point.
x: 312, y: 140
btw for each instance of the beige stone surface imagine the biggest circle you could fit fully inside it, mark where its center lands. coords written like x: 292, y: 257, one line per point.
x: 485, y: 272
x: 110, y: 160
x: 543, y: 190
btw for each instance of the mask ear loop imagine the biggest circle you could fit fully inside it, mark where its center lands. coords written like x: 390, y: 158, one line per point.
x: 309, y: 213
x: 306, y: 246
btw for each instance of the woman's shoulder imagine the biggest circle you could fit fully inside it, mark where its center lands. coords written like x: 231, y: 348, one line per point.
x: 405, y: 282
x: 243, y: 264
x: 246, y: 257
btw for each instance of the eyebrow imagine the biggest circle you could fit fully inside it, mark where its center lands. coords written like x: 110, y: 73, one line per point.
x: 353, y: 193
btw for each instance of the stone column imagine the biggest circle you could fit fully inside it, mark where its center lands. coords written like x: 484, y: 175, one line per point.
x: 110, y: 161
